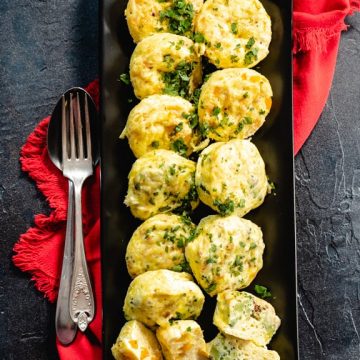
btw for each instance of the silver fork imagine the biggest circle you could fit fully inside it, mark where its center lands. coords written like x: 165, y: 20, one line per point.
x: 77, y: 167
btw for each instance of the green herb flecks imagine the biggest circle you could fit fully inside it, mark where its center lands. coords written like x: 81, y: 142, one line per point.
x: 234, y: 28
x: 193, y: 119
x: 199, y: 38
x: 250, y: 43
x: 262, y: 291
x: 155, y: 144
x: 179, y: 17
x: 177, y: 81
x: 225, y: 208
x: 125, y: 78
x: 250, y: 56
x: 179, y: 146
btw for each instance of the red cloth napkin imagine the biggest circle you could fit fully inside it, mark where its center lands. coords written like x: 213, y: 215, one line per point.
x: 317, y: 25
x: 39, y: 251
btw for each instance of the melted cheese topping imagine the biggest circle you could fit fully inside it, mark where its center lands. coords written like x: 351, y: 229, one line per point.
x: 182, y: 340
x: 136, y: 342
x: 165, y: 64
x: 225, y: 347
x: 159, y: 243
x: 234, y: 103
x: 231, y: 178
x: 147, y: 17
x: 237, y: 32
x: 246, y: 317
x: 161, y: 122
x: 157, y: 297
x: 226, y: 253
x: 159, y: 182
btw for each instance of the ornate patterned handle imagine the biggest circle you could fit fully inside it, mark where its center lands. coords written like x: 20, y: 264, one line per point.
x: 82, y: 305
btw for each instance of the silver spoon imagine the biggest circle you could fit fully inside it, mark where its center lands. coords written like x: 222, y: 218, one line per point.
x: 64, y: 325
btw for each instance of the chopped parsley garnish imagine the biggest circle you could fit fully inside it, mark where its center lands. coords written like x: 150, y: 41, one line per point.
x: 168, y: 60
x: 178, y: 128
x: 191, y: 196
x: 250, y: 43
x: 199, y: 38
x: 193, y: 119
x: 211, y: 288
x: 234, y: 28
x: 177, y: 81
x: 234, y: 58
x: 218, y: 45
x: 262, y: 291
x: 155, y: 144
x: 216, y: 111
x: 225, y: 208
x: 262, y: 112
x: 125, y: 78
x: 179, y: 146
x: 250, y: 56
x: 247, y: 120
x: 179, y: 16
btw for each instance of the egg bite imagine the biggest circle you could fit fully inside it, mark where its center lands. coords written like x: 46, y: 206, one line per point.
x: 158, y: 297
x: 147, y: 17
x: 162, y: 122
x: 136, y: 342
x: 246, y: 317
x: 237, y: 33
x: 225, y: 253
x: 225, y: 347
x: 234, y: 104
x: 182, y: 340
x: 158, y: 243
x: 231, y: 178
x: 165, y: 64
x: 159, y: 182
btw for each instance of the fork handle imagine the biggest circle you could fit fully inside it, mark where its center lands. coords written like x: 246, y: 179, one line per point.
x: 82, y: 305
x: 64, y: 325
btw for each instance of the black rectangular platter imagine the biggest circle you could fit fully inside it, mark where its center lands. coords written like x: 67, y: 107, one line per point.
x: 275, y: 142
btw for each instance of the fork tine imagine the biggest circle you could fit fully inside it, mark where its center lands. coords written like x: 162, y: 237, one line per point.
x: 72, y: 132
x: 88, y: 130
x: 79, y: 128
x: 64, y: 130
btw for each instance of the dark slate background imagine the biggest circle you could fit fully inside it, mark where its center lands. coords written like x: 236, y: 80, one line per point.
x: 47, y: 46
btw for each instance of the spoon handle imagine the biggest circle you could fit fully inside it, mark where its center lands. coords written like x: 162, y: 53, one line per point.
x: 64, y: 325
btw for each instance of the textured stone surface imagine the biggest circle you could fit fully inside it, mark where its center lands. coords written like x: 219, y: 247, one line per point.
x: 48, y: 46
x: 328, y: 217
x: 45, y: 47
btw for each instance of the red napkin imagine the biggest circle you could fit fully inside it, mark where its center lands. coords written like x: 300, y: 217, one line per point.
x: 39, y: 251
x: 317, y: 25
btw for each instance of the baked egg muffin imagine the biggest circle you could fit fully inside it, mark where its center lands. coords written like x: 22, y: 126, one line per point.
x: 226, y: 253
x: 182, y: 340
x: 234, y: 104
x: 231, y: 178
x: 158, y: 243
x: 136, y: 342
x: 226, y: 347
x: 237, y: 33
x: 158, y: 297
x: 246, y: 317
x: 162, y: 122
x: 147, y: 17
x: 159, y: 182
x: 165, y: 64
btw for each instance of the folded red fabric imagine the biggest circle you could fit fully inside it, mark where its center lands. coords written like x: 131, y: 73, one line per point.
x: 317, y: 27
x: 316, y: 35
x: 39, y: 251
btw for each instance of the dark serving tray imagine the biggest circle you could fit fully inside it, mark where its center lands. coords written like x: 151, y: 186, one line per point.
x: 275, y: 143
